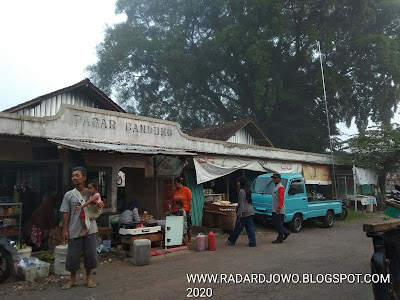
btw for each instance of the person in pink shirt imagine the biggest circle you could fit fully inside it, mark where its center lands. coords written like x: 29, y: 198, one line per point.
x: 94, y: 197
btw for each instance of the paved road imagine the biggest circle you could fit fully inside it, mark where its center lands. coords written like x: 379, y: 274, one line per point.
x: 341, y: 249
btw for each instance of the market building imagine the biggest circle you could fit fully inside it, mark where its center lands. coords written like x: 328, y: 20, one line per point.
x: 42, y: 140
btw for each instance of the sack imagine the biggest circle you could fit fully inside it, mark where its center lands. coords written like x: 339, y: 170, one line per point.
x: 92, y: 212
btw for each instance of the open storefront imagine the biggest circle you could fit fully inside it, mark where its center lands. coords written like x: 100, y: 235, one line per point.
x: 146, y: 153
x: 32, y: 189
x: 217, y: 175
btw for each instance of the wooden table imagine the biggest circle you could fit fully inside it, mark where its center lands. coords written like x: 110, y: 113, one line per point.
x: 105, y: 232
x: 364, y: 201
x: 127, y: 241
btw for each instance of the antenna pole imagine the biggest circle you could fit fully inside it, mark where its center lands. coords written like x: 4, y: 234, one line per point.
x: 327, y: 119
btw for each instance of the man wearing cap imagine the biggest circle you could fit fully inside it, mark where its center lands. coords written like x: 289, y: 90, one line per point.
x: 278, y: 209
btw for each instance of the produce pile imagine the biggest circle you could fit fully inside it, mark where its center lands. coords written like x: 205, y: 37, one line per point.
x: 224, y: 203
x: 21, y: 246
x: 147, y: 218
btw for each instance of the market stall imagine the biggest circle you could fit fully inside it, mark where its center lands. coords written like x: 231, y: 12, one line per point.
x: 366, y: 202
x: 219, y: 213
x: 364, y: 182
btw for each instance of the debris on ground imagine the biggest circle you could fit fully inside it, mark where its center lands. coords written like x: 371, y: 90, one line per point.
x: 26, y: 287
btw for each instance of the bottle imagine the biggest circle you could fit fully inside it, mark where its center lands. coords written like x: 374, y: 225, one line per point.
x: 212, y: 241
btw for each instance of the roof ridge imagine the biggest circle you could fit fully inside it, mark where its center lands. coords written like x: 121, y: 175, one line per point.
x: 83, y: 82
x: 227, y: 130
x: 224, y: 124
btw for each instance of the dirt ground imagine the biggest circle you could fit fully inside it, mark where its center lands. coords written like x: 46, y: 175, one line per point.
x: 344, y: 248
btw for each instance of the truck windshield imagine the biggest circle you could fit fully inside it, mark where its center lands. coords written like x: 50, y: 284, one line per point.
x: 265, y: 185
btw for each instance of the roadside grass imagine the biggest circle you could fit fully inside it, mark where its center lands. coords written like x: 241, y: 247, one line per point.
x: 355, y: 216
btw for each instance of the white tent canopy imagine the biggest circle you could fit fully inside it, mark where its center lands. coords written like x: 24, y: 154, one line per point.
x: 212, y: 167
x: 366, y: 176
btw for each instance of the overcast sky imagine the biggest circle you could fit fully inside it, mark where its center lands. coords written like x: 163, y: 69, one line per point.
x: 46, y: 45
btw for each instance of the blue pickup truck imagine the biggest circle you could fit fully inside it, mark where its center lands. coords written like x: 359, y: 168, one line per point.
x: 298, y: 206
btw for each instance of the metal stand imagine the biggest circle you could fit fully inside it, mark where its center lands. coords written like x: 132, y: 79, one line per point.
x: 13, y: 215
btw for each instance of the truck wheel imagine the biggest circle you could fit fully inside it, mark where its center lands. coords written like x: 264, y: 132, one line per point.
x: 296, y: 223
x: 329, y: 219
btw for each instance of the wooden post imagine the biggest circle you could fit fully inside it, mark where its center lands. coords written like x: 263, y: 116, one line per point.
x: 355, y: 188
x: 227, y: 188
x: 156, y: 182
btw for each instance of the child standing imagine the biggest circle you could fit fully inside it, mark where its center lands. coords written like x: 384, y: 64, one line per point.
x: 93, y: 188
x: 182, y: 212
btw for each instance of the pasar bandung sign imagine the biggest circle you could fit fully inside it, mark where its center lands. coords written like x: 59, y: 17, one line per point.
x: 96, y: 125
x: 84, y: 121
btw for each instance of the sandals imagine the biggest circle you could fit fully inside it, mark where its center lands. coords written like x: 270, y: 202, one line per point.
x: 68, y: 286
x: 91, y: 284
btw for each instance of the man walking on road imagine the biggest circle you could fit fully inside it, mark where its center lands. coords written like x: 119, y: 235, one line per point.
x: 278, y: 209
x: 72, y: 226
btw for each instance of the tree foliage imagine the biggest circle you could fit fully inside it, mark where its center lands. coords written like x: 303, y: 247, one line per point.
x: 377, y: 148
x: 204, y: 62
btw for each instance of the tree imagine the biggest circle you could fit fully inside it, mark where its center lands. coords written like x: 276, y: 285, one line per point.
x: 377, y: 148
x: 204, y: 62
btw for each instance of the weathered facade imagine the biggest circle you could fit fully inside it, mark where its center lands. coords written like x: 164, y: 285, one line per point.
x: 100, y: 126
x: 116, y: 140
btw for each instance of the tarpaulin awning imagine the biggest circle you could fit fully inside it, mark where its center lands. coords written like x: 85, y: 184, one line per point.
x: 212, y: 167
x: 166, y: 166
x: 316, y: 174
x: 78, y: 146
x: 366, y: 176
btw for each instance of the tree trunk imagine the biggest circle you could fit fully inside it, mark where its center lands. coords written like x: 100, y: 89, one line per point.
x: 382, y: 187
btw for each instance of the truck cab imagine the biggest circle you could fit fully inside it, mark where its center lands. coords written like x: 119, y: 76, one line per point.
x: 298, y: 207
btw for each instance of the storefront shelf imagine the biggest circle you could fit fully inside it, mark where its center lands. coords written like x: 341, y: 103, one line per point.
x: 10, y: 235
x: 6, y: 216
x: 15, y: 215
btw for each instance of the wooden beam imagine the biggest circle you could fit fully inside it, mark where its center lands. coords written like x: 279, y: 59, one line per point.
x: 382, y: 226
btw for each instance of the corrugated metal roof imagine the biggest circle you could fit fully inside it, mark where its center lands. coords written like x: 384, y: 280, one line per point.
x: 225, y: 131
x: 78, y: 146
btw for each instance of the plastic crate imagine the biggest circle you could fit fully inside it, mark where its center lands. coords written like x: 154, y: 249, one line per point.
x: 31, y: 273
x: 107, y: 244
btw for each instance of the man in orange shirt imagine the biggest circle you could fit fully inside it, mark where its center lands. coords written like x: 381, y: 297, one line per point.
x: 185, y: 195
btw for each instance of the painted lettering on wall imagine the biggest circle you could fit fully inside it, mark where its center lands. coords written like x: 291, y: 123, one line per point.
x: 102, y: 123
x: 156, y: 130
x: 109, y: 124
